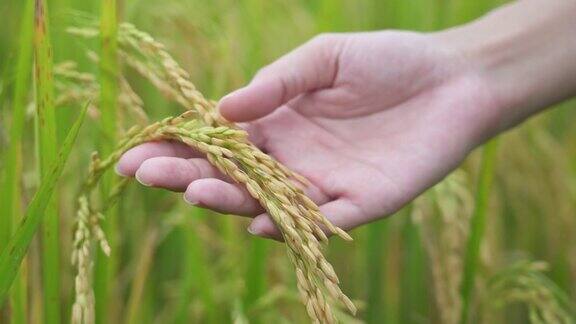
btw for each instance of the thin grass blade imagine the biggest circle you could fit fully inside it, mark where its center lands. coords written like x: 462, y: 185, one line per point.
x: 197, y: 275
x: 477, y: 227
x: 109, y: 72
x: 47, y: 148
x: 10, y: 188
x: 376, y: 307
x: 12, y: 256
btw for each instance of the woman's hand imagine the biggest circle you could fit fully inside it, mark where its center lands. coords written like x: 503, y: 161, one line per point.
x: 374, y: 119
x: 371, y: 119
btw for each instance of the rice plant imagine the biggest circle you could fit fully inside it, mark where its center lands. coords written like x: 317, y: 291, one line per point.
x: 227, y: 148
x: 79, y: 244
x: 46, y: 142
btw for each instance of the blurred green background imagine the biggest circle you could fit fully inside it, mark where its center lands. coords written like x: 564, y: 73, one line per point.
x: 176, y: 264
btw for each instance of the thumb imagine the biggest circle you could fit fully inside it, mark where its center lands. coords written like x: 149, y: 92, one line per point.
x: 309, y: 67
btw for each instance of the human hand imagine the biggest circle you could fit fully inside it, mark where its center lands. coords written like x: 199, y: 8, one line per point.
x: 371, y: 119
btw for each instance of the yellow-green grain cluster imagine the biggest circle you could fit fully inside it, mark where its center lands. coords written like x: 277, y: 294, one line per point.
x: 228, y: 149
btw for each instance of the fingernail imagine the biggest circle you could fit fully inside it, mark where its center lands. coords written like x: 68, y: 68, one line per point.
x: 118, y: 172
x: 137, y: 176
x: 226, y: 97
x: 254, y: 230
x: 190, y: 200
x: 231, y: 94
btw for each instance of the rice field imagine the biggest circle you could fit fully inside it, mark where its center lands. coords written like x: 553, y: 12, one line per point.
x: 495, y: 242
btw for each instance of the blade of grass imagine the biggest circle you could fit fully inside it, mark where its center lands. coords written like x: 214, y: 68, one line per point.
x: 12, y: 256
x: 10, y: 189
x: 142, y: 271
x: 477, y: 227
x: 376, y: 308
x: 109, y: 75
x: 413, y: 279
x: 197, y: 276
x: 47, y: 146
x: 255, y: 272
x: 104, y: 269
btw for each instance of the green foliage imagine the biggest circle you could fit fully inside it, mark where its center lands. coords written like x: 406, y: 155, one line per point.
x: 17, y: 246
x: 109, y: 83
x: 477, y: 227
x: 173, y: 264
x: 47, y: 148
x: 10, y: 186
x: 525, y: 282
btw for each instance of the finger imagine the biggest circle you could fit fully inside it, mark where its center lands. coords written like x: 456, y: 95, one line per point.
x: 133, y: 158
x: 342, y: 213
x: 222, y: 197
x: 174, y: 173
x: 309, y: 67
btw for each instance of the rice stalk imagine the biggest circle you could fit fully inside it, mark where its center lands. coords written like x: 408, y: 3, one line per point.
x: 196, y: 275
x: 255, y: 273
x: 228, y: 149
x: 11, y: 172
x: 14, y: 253
x: 413, y: 263
x: 47, y: 148
x: 443, y: 216
x: 109, y: 76
x: 376, y: 264
x: 141, y: 275
x: 104, y: 268
x: 10, y: 187
x: 477, y: 228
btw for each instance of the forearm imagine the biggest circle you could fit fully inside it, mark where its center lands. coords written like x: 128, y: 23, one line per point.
x: 525, y: 52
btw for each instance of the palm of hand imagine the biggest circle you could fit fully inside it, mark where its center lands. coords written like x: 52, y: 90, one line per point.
x: 384, y: 132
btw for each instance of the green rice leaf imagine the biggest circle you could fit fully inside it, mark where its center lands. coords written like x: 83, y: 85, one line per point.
x: 477, y: 227
x: 10, y: 187
x: 12, y: 256
x: 47, y: 146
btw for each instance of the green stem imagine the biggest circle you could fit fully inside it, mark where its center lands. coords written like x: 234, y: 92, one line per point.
x: 47, y: 146
x: 142, y: 272
x: 477, y: 228
x: 11, y: 258
x: 376, y: 261
x: 10, y: 188
x: 255, y: 272
x: 196, y: 275
x: 413, y: 274
x: 109, y: 72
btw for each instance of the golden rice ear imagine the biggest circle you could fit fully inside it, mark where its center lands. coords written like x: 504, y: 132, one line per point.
x: 297, y: 217
x: 226, y: 147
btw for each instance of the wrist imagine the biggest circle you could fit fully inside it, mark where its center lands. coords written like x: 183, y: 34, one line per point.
x: 523, y: 54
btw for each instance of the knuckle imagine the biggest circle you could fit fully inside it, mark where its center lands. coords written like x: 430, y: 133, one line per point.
x: 324, y: 39
x: 262, y: 71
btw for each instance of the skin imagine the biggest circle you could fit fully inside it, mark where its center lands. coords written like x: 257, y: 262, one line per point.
x: 374, y: 119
